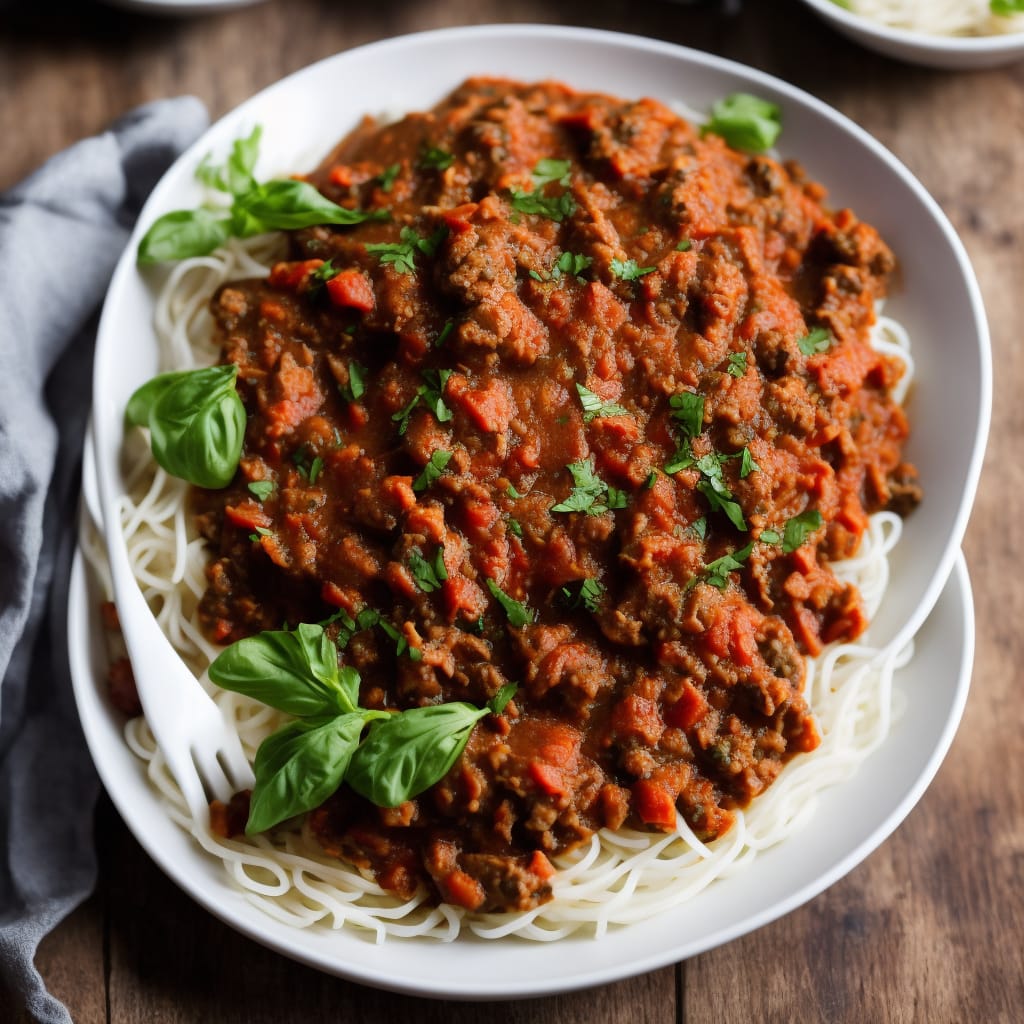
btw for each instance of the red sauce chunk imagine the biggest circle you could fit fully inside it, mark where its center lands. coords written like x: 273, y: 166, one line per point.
x: 595, y: 364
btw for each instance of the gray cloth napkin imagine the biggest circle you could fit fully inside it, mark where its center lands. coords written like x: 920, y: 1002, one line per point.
x: 61, y: 232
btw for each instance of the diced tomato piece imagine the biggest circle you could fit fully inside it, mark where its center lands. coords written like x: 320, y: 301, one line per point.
x: 688, y: 710
x: 293, y: 274
x: 352, y: 289
x: 249, y: 515
x: 654, y: 804
x: 636, y: 716
x: 458, y: 219
x: 541, y: 866
x: 463, y: 890
x: 548, y: 778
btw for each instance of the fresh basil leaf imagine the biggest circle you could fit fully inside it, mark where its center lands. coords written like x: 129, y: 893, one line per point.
x: 408, y: 752
x: 1006, y: 8
x: 499, y: 701
x: 196, y: 422
x: 183, y: 234
x: 300, y: 766
x: 292, y: 670
x: 287, y: 205
x: 799, y: 527
x: 746, y: 122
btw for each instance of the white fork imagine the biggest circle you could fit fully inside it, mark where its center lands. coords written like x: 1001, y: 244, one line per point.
x: 202, y: 751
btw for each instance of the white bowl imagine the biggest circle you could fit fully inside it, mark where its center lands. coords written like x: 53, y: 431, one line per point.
x: 954, y: 53
x: 937, y: 299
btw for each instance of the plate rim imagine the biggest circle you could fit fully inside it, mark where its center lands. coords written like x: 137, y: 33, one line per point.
x: 950, y: 562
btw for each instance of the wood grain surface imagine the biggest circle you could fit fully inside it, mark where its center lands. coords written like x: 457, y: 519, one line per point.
x: 930, y: 927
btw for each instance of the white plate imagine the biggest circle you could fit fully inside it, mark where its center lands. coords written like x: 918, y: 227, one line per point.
x: 954, y: 53
x: 937, y: 299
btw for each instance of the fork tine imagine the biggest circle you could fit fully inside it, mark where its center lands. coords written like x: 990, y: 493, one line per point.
x: 189, y: 783
x: 215, y: 781
x: 234, y: 762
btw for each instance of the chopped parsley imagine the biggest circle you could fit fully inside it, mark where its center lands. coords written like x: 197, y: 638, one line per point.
x: 261, y: 531
x: 569, y: 263
x: 315, y: 469
x: 587, y: 595
x: 688, y: 413
x: 818, y: 340
x: 449, y: 326
x: 770, y: 537
x: 629, y: 270
x: 684, y: 245
x: 747, y: 464
x: 262, y: 489
x: 717, y: 572
x: 388, y: 175
x: 402, y: 254
x: 512, y: 492
x: 356, y: 387
x: 431, y: 396
x: 652, y: 479
x: 324, y: 273
x: 548, y: 171
x: 590, y: 494
x: 432, y: 470
x: 713, y: 486
x: 514, y: 528
x: 428, y: 575
x: 699, y: 527
x: 737, y: 364
x: 517, y: 613
x: 594, y: 405
x: 435, y: 159
x: 556, y: 208
x: 799, y: 527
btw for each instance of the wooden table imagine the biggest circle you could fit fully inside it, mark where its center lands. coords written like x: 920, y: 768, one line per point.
x: 930, y: 927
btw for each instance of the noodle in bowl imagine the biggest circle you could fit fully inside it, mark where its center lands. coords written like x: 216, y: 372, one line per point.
x: 950, y: 34
x: 619, y: 878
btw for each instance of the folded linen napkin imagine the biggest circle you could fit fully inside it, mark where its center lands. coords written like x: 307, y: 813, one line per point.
x: 61, y: 232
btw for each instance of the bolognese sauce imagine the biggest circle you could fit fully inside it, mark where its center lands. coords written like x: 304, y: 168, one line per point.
x: 592, y: 412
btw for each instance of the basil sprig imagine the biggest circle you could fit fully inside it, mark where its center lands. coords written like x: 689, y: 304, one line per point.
x: 301, y: 765
x: 278, y: 205
x: 196, y: 422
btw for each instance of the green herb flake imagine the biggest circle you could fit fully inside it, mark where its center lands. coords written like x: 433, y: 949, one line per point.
x: 442, y: 337
x: 629, y: 270
x: 518, y: 614
x: 799, y: 527
x: 327, y: 271
x: 261, y: 489
x: 512, y: 492
x: 737, y: 364
x: 770, y: 537
x: 747, y: 464
x: 590, y: 494
x: 745, y: 122
x: 515, y: 528
x: 684, y: 245
x: 260, y: 532
x: 356, y: 382
x: 428, y: 575
x: 315, y: 469
x: 435, y: 159
x: 556, y: 208
x: 717, y: 572
x: 699, y: 527
x: 687, y: 413
x: 431, y: 396
x: 401, y: 255
x: 550, y: 171
x: 387, y: 177
x: 588, y: 595
x: 818, y: 340
x: 432, y: 470
x: 595, y: 406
